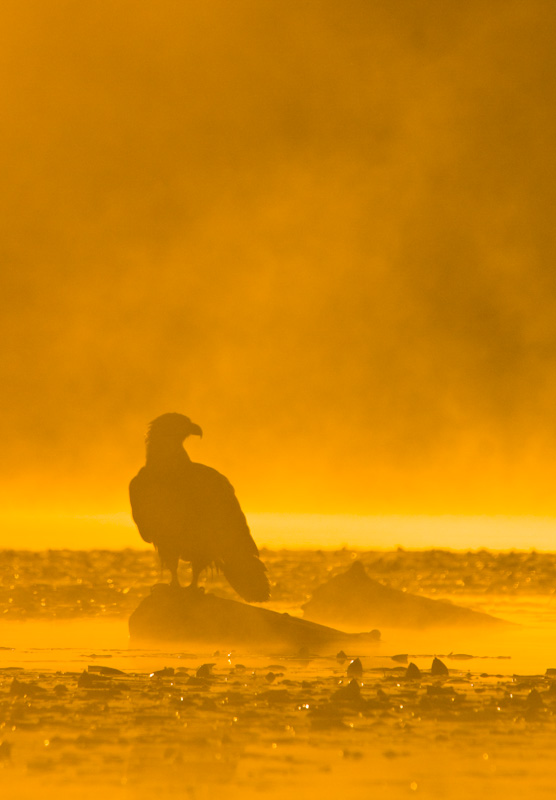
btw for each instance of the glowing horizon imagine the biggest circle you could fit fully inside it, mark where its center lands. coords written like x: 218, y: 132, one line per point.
x: 58, y: 530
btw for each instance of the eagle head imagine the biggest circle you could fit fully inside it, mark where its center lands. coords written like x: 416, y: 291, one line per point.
x: 176, y: 427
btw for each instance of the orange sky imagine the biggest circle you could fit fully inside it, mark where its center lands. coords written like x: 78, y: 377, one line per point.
x: 322, y: 230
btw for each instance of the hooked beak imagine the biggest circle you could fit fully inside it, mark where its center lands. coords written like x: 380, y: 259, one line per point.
x: 195, y: 430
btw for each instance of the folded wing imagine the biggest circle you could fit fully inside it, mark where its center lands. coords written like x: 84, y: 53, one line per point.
x: 194, y: 514
x: 220, y: 517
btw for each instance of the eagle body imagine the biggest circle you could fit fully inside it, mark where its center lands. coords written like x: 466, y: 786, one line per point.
x: 189, y: 511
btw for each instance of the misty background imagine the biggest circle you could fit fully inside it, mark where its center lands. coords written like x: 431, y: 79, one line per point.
x: 324, y: 231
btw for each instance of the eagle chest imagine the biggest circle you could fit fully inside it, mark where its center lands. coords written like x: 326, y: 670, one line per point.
x: 174, y: 510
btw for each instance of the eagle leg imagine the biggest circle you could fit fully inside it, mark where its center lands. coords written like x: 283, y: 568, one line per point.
x: 174, y: 583
x: 195, y: 572
x: 170, y: 561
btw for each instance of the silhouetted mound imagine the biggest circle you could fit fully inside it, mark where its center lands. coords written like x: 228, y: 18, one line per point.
x: 354, y: 599
x: 188, y: 616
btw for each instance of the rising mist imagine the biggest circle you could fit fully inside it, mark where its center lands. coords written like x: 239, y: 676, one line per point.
x: 323, y: 231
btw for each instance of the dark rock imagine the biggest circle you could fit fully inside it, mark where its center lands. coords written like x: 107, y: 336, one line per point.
x: 171, y: 616
x: 165, y: 672
x: 412, y: 673
x: 348, y: 694
x: 353, y: 598
x: 204, y: 671
x: 100, y: 670
x: 534, y: 700
x: 22, y: 689
x: 88, y: 681
x: 438, y: 667
x: 355, y: 668
x: 341, y: 656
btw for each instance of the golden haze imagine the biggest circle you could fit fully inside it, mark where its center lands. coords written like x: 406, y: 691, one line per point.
x: 323, y: 231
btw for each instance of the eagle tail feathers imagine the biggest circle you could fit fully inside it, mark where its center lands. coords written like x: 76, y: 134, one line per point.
x: 248, y: 577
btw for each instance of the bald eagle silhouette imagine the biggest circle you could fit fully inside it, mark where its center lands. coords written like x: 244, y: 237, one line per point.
x: 189, y: 511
